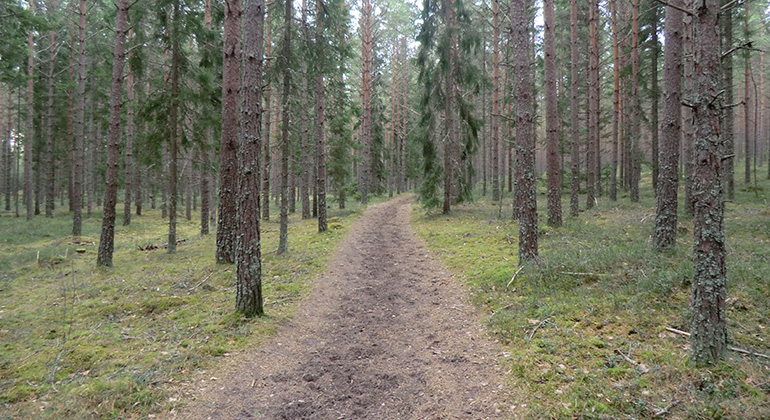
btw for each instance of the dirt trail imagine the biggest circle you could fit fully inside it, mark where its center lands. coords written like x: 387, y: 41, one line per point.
x: 386, y: 334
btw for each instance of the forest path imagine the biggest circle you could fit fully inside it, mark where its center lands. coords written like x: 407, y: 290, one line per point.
x: 385, y: 334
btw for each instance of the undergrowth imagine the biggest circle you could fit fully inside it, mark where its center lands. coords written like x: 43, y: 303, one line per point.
x: 78, y: 341
x: 599, y: 299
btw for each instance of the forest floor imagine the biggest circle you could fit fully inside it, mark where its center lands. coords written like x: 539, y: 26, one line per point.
x: 387, y: 333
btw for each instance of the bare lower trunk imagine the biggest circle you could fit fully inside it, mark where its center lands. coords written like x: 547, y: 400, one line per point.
x: 229, y: 139
x: 574, y: 207
x: 525, y: 144
x: 29, y: 134
x: 174, y: 131
x: 615, y: 102
x: 668, y: 181
x: 708, y: 340
x: 283, y: 236
x: 80, y: 119
x: 320, y: 118
x: 248, y: 251
x: 107, y: 241
x: 129, y: 164
x: 552, y: 123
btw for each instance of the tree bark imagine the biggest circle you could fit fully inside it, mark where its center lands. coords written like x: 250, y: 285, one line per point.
x: 248, y: 254
x: 303, y: 124
x: 574, y: 206
x: 50, y: 188
x: 525, y: 145
x: 668, y: 180
x: 129, y: 168
x: 708, y: 339
x: 107, y: 241
x: 268, y: 112
x: 654, y: 98
x: 728, y: 118
x: 283, y: 236
x: 320, y: 105
x: 29, y: 135
x: 688, y: 115
x: 229, y: 138
x: 174, y: 132
x: 552, y: 122
x: 635, y: 133
x: 747, y: 98
x: 496, y: 100
x: 615, y: 102
x: 593, y: 104
x: 80, y: 120
x: 366, y: 100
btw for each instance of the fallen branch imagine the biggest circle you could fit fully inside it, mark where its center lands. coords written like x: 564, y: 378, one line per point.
x: 202, y: 281
x: 574, y: 273
x: 662, y: 412
x: 731, y: 348
x: 514, y: 276
x: 540, y: 324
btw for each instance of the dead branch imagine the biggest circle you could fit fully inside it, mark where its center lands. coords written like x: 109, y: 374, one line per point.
x: 514, y: 276
x: 663, y: 411
x: 731, y: 348
x: 201, y: 282
x: 537, y: 327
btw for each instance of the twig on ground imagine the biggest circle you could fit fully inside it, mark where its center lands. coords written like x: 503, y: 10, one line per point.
x: 514, y: 276
x: 731, y: 348
x: 202, y: 281
x: 577, y: 273
x: 663, y: 411
x: 537, y: 327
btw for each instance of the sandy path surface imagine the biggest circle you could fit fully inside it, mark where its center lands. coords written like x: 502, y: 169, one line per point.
x: 385, y: 334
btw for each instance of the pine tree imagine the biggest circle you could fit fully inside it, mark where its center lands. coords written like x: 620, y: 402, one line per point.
x: 552, y: 123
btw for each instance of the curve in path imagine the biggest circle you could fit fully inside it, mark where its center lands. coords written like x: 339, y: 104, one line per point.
x: 385, y: 334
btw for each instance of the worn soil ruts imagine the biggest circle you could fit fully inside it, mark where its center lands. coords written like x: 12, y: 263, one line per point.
x: 385, y: 334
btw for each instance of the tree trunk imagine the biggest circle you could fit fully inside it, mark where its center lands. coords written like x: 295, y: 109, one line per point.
x: 283, y: 237
x: 689, y: 117
x: 708, y: 339
x: 268, y: 112
x: 615, y: 102
x: 229, y: 138
x: 8, y: 152
x: 728, y: 118
x: 107, y: 241
x: 668, y: 180
x: 320, y: 117
x: 50, y: 188
x: 593, y: 104
x: 496, y: 100
x: 525, y: 145
x: 574, y: 206
x: 29, y: 135
x: 366, y: 100
x: 80, y: 120
x: 129, y: 143
x: 654, y: 119
x: 552, y: 122
x: 174, y: 131
x: 747, y: 100
x: 636, y: 152
x: 248, y: 254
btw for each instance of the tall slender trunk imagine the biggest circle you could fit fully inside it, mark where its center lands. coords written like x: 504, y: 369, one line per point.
x: 174, y: 131
x: 525, y: 145
x: 728, y: 119
x: 129, y: 143
x: 452, y: 146
x: 107, y: 241
x: 574, y: 206
x: 80, y: 119
x: 283, y: 236
x: 50, y: 189
x: 668, y: 180
x: 303, y: 124
x: 615, y: 102
x: 29, y: 134
x: 636, y: 152
x: 688, y: 115
x: 320, y: 117
x: 496, y: 100
x: 654, y: 98
x: 552, y: 122
x: 366, y: 100
x: 708, y: 339
x: 268, y: 112
x: 229, y: 139
x: 747, y: 98
x: 593, y: 103
x: 248, y: 252
x: 8, y: 152
x: 70, y: 124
